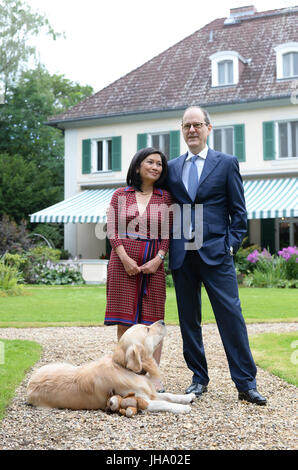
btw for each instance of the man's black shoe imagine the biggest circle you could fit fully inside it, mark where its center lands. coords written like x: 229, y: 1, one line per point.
x: 252, y: 396
x: 196, y: 388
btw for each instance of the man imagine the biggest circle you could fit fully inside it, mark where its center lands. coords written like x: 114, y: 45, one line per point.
x: 212, y: 180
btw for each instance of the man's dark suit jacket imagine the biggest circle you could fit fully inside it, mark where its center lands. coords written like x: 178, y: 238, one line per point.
x: 221, y: 193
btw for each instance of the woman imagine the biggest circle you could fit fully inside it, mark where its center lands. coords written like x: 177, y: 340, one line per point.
x: 138, y: 228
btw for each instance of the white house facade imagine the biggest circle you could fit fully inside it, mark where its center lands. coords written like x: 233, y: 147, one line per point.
x: 249, y: 84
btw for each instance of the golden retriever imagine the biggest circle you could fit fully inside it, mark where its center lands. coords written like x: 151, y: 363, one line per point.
x: 90, y: 386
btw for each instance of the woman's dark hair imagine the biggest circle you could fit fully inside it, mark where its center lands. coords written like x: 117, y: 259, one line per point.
x: 133, y: 178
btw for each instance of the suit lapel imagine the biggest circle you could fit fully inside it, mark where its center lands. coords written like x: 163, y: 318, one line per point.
x: 212, y: 160
x: 178, y: 168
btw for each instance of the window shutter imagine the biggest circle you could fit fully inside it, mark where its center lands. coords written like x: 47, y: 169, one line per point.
x: 174, y: 144
x: 239, y: 139
x: 116, y: 153
x: 141, y: 141
x: 86, y: 156
x: 268, y: 141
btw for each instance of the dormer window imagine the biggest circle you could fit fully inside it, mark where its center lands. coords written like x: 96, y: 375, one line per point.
x: 225, y: 72
x: 287, y: 60
x: 225, y: 68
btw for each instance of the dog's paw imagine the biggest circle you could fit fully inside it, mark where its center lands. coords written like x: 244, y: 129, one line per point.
x: 192, y: 397
x: 181, y: 409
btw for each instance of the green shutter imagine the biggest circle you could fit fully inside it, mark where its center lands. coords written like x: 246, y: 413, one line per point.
x: 174, y: 144
x: 86, y: 156
x: 116, y: 153
x: 141, y: 141
x: 268, y: 141
x: 239, y: 142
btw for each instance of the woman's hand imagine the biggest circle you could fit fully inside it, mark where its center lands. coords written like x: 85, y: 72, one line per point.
x: 151, y: 266
x: 129, y: 264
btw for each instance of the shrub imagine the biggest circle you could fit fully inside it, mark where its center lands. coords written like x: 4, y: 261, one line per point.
x: 35, y: 259
x: 58, y: 274
x: 9, y: 280
x: 272, y: 270
x: 242, y: 262
x: 13, y: 237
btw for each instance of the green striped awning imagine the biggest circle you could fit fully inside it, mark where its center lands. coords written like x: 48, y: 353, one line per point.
x: 271, y: 198
x: 88, y: 206
x: 265, y: 199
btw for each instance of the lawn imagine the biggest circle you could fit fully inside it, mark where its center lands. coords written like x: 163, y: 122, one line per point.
x: 16, y: 357
x: 85, y: 305
x: 277, y: 353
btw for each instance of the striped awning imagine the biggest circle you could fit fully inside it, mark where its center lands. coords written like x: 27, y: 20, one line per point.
x: 271, y: 198
x: 88, y: 206
x: 265, y: 199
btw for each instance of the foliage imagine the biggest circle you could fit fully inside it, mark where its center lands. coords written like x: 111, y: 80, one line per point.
x: 10, y: 278
x: 25, y: 187
x: 18, y: 24
x: 35, y: 259
x: 52, y: 232
x: 273, y: 270
x: 242, y: 264
x: 13, y: 237
x: 58, y: 274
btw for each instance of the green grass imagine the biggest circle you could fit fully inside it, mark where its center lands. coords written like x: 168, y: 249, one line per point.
x: 85, y: 305
x: 16, y: 357
x: 277, y: 353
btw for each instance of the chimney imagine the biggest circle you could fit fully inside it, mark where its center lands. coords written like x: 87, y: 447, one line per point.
x: 243, y: 11
x: 237, y: 13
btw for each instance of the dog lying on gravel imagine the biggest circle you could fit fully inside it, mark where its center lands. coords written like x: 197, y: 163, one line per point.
x: 89, y: 386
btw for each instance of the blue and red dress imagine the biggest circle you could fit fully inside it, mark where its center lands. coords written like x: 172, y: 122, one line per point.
x: 140, y: 298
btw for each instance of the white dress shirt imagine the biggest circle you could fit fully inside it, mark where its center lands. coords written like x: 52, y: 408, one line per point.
x: 199, y: 162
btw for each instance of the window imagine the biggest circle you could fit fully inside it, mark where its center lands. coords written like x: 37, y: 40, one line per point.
x: 168, y: 142
x: 160, y: 142
x: 286, y: 232
x: 103, y: 155
x: 225, y: 72
x: 223, y: 140
x: 225, y: 67
x: 287, y: 139
x: 290, y: 64
x: 287, y: 60
x: 229, y: 139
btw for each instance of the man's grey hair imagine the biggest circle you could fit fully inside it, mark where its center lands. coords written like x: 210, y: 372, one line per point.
x: 204, y: 111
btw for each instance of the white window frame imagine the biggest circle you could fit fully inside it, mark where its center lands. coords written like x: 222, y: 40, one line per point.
x: 211, y: 137
x: 220, y: 57
x: 161, y: 138
x: 281, y: 50
x: 276, y: 136
x: 105, y: 155
x: 291, y: 222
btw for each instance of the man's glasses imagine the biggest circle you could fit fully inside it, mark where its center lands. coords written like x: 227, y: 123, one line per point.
x: 195, y: 125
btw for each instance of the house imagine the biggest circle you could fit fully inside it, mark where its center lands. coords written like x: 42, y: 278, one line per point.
x: 244, y: 70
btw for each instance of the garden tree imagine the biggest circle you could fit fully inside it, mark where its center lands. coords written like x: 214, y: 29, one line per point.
x: 36, y: 96
x: 32, y: 153
x: 18, y: 24
x: 24, y: 188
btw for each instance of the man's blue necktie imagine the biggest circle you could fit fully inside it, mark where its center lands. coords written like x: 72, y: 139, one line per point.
x: 193, y: 179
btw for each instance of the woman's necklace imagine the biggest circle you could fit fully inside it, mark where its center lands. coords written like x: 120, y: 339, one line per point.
x: 145, y: 193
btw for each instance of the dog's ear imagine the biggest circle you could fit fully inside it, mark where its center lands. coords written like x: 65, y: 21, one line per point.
x: 134, y: 359
x: 119, y: 356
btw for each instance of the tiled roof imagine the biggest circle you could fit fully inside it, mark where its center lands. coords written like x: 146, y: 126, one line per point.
x: 181, y: 75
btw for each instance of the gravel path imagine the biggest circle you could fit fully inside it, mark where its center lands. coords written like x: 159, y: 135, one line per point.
x: 217, y: 421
